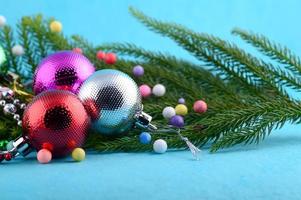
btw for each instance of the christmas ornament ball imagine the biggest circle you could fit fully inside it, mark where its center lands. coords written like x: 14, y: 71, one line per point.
x: 55, y: 120
x: 181, y: 109
x: 168, y: 112
x: 145, y: 138
x: 177, y: 121
x: 63, y: 70
x: 160, y: 146
x: 44, y: 156
x: 138, y: 71
x: 145, y: 90
x: 159, y: 90
x: 2, y: 21
x: 56, y: 26
x: 2, y: 56
x: 17, y: 50
x: 112, y: 99
x: 78, y: 154
x: 200, y: 106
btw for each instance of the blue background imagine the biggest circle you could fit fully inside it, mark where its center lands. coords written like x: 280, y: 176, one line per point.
x: 271, y: 170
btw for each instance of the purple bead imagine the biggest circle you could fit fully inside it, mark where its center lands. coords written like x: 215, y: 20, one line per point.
x: 63, y: 70
x: 138, y: 71
x: 177, y: 121
x: 181, y: 101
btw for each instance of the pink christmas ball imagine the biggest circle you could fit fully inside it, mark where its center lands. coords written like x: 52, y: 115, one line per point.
x: 145, y: 90
x: 63, y: 70
x: 44, y: 156
x: 200, y: 106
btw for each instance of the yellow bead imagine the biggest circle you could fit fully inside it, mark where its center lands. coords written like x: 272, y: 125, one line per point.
x: 78, y: 154
x: 56, y: 26
x: 181, y: 109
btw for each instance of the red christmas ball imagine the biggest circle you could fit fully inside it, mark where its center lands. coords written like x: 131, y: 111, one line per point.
x: 110, y: 58
x: 56, y: 120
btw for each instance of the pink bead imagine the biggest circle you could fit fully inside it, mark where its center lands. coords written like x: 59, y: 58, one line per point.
x: 44, y: 156
x: 145, y: 90
x: 200, y: 106
x: 77, y: 50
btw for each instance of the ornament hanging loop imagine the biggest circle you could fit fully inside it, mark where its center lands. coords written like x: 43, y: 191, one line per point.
x: 20, y: 146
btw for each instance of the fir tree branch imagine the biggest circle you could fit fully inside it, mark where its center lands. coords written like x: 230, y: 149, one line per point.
x: 277, y: 52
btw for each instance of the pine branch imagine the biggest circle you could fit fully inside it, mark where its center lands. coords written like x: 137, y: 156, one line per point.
x: 277, y: 52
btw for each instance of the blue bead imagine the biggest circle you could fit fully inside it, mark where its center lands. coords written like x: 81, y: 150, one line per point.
x: 145, y: 138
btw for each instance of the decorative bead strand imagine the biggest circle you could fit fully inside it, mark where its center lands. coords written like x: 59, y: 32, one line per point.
x: 10, y: 105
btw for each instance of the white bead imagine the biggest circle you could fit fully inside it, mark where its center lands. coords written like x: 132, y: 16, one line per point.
x: 168, y: 112
x: 9, y: 108
x: 159, y: 90
x: 160, y: 146
x: 18, y: 50
x: 2, y: 21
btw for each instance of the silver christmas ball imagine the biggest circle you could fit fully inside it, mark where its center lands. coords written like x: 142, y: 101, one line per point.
x: 112, y: 98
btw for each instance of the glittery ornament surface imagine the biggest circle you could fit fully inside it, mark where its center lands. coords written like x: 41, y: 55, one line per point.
x: 112, y: 98
x: 56, y: 120
x: 64, y: 70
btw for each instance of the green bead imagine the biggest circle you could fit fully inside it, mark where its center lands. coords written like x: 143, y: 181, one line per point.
x: 2, y: 56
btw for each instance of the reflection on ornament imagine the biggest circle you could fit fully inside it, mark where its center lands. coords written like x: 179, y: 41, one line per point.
x: 113, y: 99
x: 64, y: 70
x: 53, y: 119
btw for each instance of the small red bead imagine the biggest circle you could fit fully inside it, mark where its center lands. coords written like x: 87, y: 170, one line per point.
x: 100, y: 55
x: 110, y: 58
x: 8, y: 157
x: 48, y: 146
x: 78, y: 50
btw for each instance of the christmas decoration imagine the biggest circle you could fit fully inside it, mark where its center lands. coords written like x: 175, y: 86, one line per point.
x: 11, y: 106
x: 55, y: 120
x: 2, y: 56
x: 250, y: 90
x: 138, y: 71
x: 110, y: 58
x: 56, y: 26
x: 100, y: 55
x: 2, y: 21
x: 160, y: 146
x: 64, y: 70
x: 44, y: 156
x: 77, y: 50
x: 181, y: 109
x: 177, y: 121
x: 17, y: 50
x: 145, y: 138
x: 200, y: 106
x: 168, y: 112
x: 181, y: 101
x: 112, y: 98
x: 145, y: 90
x: 159, y: 90
x: 78, y: 154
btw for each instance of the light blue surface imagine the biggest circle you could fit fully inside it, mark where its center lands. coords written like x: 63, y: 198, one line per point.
x: 271, y: 170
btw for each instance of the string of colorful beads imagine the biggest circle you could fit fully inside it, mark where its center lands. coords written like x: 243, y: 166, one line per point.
x: 11, y: 105
x: 175, y: 116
